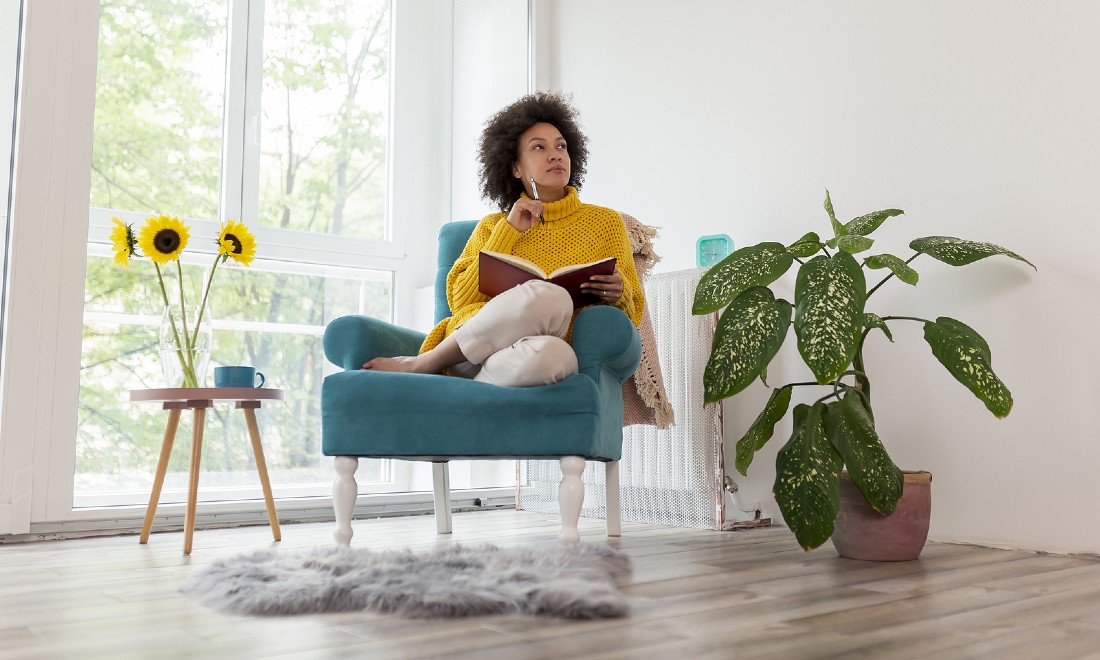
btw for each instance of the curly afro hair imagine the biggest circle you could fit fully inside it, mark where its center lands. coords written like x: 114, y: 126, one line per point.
x: 499, y: 148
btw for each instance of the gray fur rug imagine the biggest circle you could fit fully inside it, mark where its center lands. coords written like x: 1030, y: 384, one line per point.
x: 452, y: 581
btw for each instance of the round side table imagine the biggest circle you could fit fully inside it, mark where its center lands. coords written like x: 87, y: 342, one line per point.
x: 198, y: 399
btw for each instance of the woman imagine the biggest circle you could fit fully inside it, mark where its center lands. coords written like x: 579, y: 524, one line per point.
x: 532, y: 163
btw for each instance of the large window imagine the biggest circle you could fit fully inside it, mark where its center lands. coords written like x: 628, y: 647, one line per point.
x: 324, y: 117
x: 273, y: 113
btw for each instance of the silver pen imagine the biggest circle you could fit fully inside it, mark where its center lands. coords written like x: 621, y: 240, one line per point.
x: 535, y: 192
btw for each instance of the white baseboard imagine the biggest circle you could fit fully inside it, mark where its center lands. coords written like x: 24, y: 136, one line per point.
x: 128, y: 520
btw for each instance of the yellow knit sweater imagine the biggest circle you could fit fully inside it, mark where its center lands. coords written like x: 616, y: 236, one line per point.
x: 573, y: 233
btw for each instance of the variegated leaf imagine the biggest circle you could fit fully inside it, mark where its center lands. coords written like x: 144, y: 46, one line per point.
x: 865, y: 224
x: 756, y: 265
x: 807, y: 479
x: 875, y: 321
x: 852, y: 432
x: 959, y: 252
x: 807, y: 246
x: 838, y: 229
x: 854, y: 244
x: 966, y: 355
x: 901, y: 270
x: 829, y: 297
x: 762, y: 428
x: 748, y: 336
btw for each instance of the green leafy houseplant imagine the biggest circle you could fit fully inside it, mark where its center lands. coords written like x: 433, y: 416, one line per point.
x: 831, y: 325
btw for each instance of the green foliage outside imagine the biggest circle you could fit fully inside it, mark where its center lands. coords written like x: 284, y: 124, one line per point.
x: 157, y: 149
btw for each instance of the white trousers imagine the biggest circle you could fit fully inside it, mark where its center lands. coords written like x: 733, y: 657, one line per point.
x: 518, y: 338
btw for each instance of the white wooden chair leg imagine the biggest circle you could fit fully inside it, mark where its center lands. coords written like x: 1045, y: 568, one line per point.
x: 570, y: 498
x: 614, y: 515
x: 441, y: 485
x: 344, y: 492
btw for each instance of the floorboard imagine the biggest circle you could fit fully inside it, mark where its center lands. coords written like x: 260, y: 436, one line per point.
x: 693, y: 594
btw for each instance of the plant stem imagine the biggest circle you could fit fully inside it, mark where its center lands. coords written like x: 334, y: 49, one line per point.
x: 171, y: 320
x: 863, y: 384
x: 858, y: 388
x: 876, y: 287
x: 905, y: 318
x: 205, y: 295
x: 183, y: 305
x: 809, y: 382
x: 189, y: 376
x: 837, y: 386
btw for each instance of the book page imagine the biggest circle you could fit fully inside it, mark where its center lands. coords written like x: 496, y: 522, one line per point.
x: 569, y: 269
x: 519, y: 262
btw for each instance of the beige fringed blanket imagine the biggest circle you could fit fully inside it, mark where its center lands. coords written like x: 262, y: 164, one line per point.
x: 644, y: 398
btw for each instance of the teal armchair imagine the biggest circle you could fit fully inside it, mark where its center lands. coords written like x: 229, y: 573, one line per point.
x: 442, y: 418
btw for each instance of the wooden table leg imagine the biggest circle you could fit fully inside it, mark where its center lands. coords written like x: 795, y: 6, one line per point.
x: 162, y: 468
x: 193, y: 487
x: 261, y: 467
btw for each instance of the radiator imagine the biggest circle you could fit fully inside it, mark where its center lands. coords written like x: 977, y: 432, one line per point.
x: 668, y: 477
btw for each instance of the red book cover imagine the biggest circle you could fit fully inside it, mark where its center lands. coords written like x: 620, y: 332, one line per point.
x: 500, y: 272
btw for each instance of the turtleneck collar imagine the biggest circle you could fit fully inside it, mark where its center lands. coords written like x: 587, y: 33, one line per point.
x: 563, y: 207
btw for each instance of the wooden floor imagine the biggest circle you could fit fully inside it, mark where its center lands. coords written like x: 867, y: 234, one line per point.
x: 694, y: 594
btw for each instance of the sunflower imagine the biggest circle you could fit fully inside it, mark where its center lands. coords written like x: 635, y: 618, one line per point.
x: 236, y: 242
x: 163, y: 238
x: 124, y: 242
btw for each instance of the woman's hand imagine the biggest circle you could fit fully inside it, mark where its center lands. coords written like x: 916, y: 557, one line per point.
x: 608, y: 288
x: 524, y: 214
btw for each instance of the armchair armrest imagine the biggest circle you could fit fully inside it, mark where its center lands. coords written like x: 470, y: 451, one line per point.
x: 604, y: 338
x: 352, y: 340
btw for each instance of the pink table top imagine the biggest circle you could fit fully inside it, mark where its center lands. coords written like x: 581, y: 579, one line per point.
x: 166, y: 394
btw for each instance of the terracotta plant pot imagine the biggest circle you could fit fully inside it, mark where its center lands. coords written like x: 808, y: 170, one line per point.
x: 861, y: 533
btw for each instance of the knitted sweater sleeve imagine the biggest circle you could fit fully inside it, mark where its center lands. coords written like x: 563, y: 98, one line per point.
x: 463, y: 292
x: 492, y: 233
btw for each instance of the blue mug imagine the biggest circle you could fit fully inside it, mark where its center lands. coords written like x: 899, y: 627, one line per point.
x: 237, y: 377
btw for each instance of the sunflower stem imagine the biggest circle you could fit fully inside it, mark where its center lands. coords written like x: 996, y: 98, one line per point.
x: 189, y: 376
x: 205, y: 295
x: 172, y: 321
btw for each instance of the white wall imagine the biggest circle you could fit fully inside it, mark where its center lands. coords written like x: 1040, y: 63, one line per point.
x: 490, y: 71
x: 977, y: 118
x: 420, y: 177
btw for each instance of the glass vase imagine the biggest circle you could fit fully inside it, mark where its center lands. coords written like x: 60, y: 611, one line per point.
x: 184, y: 356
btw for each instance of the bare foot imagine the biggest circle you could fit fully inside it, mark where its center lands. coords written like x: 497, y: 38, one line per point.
x: 412, y: 364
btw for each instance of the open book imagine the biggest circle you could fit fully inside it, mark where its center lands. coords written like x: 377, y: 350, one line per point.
x: 500, y: 272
